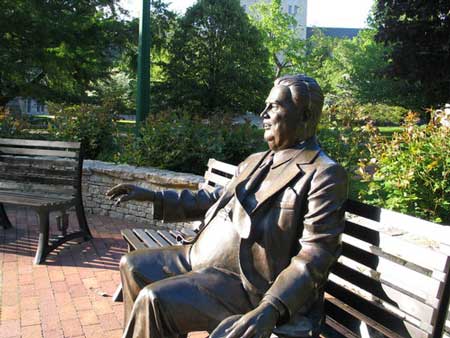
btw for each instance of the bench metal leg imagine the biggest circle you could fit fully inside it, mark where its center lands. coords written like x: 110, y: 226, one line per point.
x: 4, y: 220
x: 43, y: 247
x: 82, y: 221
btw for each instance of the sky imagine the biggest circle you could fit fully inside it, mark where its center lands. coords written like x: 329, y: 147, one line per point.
x: 321, y: 13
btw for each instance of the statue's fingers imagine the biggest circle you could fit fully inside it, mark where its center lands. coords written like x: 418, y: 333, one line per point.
x: 235, y: 331
x: 250, y: 332
x: 122, y: 199
x: 118, y: 189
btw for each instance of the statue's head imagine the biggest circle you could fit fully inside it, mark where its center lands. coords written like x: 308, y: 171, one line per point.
x: 292, y: 112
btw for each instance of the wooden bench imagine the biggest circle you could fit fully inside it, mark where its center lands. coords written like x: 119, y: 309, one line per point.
x: 391, y: 280
x: 46, y: 176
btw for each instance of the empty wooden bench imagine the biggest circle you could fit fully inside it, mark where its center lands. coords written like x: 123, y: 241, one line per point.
x: 45, y: 176
x: 392, y: 279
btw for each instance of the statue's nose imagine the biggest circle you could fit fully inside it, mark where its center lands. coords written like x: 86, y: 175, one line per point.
x: 264, y: 113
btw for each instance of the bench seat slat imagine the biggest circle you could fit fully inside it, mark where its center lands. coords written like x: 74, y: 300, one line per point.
x: 144, y: 237
x: 131, y: 238
x: 168, y: 237
x: 157, y: 237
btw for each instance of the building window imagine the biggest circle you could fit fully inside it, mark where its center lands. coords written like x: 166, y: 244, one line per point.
x: 290, y: 9
x: 296, y: 8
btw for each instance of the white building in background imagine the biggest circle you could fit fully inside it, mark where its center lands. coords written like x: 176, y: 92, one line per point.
x: 26, y: 106
x: 296, y: 8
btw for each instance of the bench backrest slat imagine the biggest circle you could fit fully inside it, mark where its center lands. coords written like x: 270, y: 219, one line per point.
x: 39, y: 143
x: 37, y: 152
x: 218, y: 174
x: 41, y: 166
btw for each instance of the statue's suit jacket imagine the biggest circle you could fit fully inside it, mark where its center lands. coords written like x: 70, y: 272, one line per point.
x: 291, y: 238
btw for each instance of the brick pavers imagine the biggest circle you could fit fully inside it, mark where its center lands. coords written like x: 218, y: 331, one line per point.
x: 69, y: 295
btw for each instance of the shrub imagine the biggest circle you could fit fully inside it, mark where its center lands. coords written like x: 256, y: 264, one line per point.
x: 348, y: 111
x: 93, y: 126
x: 412, y: 171
x: 183, y: 143
x: 12, y: 127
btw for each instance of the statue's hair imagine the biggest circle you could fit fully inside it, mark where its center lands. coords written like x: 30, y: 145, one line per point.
x: 306, y: 95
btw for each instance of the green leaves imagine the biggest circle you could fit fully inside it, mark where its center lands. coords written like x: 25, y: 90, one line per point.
x: 57, y: 49
x: 419, y: 33
x: 413, y: 172
x: 286, y: 48
x: 183, y: 143
x: 217, y: 61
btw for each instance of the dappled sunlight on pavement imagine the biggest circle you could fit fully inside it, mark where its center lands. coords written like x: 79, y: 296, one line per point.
x: 70, y: 295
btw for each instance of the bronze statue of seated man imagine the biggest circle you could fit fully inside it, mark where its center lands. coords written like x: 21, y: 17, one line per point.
x: 261, y: 260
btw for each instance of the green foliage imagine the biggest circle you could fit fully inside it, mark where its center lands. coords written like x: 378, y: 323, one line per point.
x: 218, y: 62
x: 358, y: 67
x: 57, y: 49
x: 348, y: 111
x: 412, y: 171
x: 317, y: 60
x: 346, y: 145
x: 183, y: 143
x: 286, y: 49
x: 11, y: 126
x: 419, y: 35
x: 93, y: 126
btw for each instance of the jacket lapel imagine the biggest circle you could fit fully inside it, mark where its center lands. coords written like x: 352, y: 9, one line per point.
x: 290, y: 170
x: 230, y: 189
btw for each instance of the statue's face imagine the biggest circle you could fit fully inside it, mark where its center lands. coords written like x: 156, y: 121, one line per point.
x: 280, y: 119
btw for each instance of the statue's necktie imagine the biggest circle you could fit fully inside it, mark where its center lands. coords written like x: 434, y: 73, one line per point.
x: 241, y: 218
x: 258, y: 176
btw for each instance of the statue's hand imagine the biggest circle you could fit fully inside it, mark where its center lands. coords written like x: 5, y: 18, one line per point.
x: 126, y: 192
x: 258, y: 323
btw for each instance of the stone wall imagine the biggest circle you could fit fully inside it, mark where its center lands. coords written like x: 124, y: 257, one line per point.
x: 99, y: 176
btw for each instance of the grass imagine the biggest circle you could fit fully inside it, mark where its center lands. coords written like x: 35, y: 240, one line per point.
x: 388, y: 131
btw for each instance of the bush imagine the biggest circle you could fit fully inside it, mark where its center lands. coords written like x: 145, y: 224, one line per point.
x: 93, y: 126
x: 412, y: 171
x: 12, y: 127
x: 348, y: 111
x: 183, y: 143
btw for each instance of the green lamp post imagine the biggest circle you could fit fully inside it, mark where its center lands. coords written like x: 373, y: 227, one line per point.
x: 143, y: 76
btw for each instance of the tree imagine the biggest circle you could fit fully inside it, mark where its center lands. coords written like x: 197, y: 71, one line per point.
x: 218, y: 62
x: 280, y: 35
x: 419, y: 33
x: 57, y: 49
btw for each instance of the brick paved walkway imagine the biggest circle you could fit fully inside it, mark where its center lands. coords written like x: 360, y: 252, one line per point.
x: 69, y: 295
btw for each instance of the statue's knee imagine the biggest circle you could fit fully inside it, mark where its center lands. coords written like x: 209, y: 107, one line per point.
x: 148, y: 295
x: 125, y: 263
